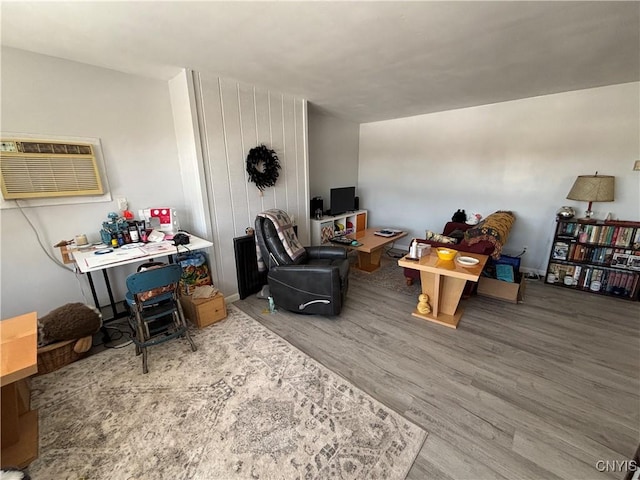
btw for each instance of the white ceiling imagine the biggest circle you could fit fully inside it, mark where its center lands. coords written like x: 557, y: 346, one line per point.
x: 363, y: 61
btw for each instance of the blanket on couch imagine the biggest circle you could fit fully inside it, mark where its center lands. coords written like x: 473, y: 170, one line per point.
x: 286, y: 233
x: 495, y: 229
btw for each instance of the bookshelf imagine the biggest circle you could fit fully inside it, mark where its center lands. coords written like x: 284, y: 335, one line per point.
x: 600, y: 257
x: 330, y: 226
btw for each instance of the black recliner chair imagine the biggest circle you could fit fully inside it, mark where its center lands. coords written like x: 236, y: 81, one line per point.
x: 309, y: 280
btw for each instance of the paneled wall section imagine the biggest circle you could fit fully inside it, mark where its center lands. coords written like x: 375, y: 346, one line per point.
x: 234, y: 118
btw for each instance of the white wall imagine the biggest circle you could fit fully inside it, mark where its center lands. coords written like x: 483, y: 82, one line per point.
x: 132, y: 117
x: 333, y: 154
x: 521, y: 155
x: 233, y: 118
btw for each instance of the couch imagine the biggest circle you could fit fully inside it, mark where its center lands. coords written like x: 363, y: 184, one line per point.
x: 486, y: 238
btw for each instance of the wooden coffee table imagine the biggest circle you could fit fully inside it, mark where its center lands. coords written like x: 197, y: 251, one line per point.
x: 370, y: 252
x: 444, y: 282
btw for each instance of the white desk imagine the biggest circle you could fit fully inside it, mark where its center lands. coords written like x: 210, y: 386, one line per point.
x: 89, y: 261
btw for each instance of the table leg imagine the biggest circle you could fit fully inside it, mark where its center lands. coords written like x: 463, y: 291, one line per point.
x: 369, y: 262
x: 444, y: 296
x: 10, y: 413
x: 19, y: 426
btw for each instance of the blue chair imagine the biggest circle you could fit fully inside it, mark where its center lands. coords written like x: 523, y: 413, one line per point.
x: 156, y: 314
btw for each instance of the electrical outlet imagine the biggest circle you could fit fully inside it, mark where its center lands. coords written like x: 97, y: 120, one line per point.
x: 524, y: 249
x: 122, y: 203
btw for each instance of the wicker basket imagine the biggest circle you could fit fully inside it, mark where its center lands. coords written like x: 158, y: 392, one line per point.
x: 57, y: 355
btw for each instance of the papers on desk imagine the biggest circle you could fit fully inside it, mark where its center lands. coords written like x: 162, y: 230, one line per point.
x: 160, y: 247
x: 125, y: 253
x: 118, y: 255
x: 89, y: 260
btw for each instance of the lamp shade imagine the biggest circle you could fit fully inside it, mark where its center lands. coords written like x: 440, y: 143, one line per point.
x: 593, y: 188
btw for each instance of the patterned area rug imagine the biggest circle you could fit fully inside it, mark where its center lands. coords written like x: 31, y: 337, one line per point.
x: 247, y: 404
x: 389, y: 275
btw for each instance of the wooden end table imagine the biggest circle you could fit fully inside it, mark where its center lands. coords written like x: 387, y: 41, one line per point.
x: 19, y: 360
x: 444, y: 282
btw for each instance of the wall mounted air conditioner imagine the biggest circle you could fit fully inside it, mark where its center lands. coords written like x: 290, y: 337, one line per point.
x: 43, y: 168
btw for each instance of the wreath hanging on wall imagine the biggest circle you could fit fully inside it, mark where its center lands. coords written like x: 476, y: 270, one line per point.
x: 262, y: 167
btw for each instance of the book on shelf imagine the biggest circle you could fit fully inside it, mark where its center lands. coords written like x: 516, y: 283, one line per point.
x: 610, y: 231
x: 634, y: 262
x: 614, y: 237
x: 628, y: 287
x: 578, y: 253
x: 634, y: 286
x: 619, y: 259
x: 604, y: 280
x: 608, y: 255
x: 624, y: 237
x: 560, y: 251
x: 576, y: 274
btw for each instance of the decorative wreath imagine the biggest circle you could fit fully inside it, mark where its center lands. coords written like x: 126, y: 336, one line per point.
x: 262, y: 167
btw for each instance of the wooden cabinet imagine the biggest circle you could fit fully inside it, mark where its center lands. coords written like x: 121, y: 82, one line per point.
x: 601, y: 257
x: 329, y: 226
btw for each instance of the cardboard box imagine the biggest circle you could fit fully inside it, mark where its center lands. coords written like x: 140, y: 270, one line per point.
x: 509, y: 291
x: 204, y: 311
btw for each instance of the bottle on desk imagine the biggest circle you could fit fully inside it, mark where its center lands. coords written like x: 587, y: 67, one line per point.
x: 413, y: 251
x: 133, y: 233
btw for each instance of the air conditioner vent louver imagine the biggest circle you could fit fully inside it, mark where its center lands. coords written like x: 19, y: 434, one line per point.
x: 47, y: 169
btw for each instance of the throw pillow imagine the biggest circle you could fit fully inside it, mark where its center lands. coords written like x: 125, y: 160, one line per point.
x: 438, y: 237
x: 458, y: 235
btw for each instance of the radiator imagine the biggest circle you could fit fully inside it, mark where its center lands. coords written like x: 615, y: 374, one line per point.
x: 250, y: 280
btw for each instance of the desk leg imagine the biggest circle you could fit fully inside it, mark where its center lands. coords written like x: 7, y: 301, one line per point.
x: 105, y: 333
x: 93, y: 291
x: 110, y: 292
x: 444, y: 295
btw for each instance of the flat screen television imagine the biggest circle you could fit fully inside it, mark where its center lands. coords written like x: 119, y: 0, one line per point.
x: 342, y: 200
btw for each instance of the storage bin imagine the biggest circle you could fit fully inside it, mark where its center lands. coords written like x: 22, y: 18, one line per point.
x: 509, y: 291
x: 204, y: 311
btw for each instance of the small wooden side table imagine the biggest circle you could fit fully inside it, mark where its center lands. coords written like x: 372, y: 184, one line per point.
x: 443, y: 281
x: 18, y: 360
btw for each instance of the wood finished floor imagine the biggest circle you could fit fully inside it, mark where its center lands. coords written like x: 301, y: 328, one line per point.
x: 539, y: 390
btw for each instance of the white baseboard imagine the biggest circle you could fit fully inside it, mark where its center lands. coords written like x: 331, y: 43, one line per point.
x: 232, y: 298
